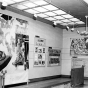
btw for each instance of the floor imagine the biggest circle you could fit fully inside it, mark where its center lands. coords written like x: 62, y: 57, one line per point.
x: 54, y: 83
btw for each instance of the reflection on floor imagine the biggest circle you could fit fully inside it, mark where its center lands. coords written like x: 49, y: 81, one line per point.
x: 54, y: 83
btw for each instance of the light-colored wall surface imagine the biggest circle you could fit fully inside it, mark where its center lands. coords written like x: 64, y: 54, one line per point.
x: 66, y: 58
x: 53, y: 38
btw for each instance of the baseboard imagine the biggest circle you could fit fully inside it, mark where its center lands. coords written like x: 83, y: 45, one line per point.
x: 44, y: 78
x: 65, y: 76
x: 34, y: 80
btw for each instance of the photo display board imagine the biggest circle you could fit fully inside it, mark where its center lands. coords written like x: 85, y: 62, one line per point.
x: 54, y: 57
x: 39, y: 52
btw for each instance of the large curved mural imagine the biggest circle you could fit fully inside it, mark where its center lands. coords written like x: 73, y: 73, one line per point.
x: 14, y: 49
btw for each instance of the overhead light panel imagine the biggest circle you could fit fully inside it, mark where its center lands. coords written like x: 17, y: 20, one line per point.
x: 59, y: 12
x: 21, y: 7
x: 66, y: 20
x: 59, y: 17
x: 40, y: 9
x: 18, y: 0
x: 50, y: 18
x: 29, y: 4
x: 40, y: 2
x: 31, y: 11
x: 42, y: 15
x: 50, y: 13
x: 67, y: 16
x: 50, y: 7
x: 74, y: 19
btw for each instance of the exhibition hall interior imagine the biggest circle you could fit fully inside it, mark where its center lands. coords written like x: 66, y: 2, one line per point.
x: 43, y: 43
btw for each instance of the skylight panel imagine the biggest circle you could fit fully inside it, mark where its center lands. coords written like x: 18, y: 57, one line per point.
x: 58, y: 21
x: 50, y: 18
x: 64, y: 24
x: 66, y: 20
x: 59, y: 17
x: 31, y: 11
x: 9, y: 1
x: 50, y: 7
x: 29, y: 4
x: 40, y: 2
x: 18, y: 0
x: 74, y: 19
x: 59, y: 12
x: 67, y: 16
x: 80, y: 22
x: 50, y: 13
x: 21, y: 7
x: 40, y: 9
x: 42, y: 15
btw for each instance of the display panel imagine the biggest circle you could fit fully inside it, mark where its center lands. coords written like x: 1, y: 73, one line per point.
x: 13, y: 34
x: 54, y: 57
x: 39, y: 52
x: 79, y: 46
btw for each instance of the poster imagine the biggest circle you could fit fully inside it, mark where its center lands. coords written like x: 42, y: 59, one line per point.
x: 53, y: 57
x: 12, y: 35
x: 79, y: 46
x: 39, y: 51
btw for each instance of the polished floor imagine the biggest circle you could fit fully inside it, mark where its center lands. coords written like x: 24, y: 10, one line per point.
x: 54, y: 83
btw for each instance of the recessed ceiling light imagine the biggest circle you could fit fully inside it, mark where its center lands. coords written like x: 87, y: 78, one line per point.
x: 50, y: 7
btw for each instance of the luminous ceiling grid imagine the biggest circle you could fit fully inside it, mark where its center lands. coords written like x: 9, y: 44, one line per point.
x: 46, y: 11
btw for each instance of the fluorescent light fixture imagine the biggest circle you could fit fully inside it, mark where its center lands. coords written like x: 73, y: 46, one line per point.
x: 50, y: 18
x: 66, y: 20
x: 67, y: 16
x: 71, y: 23
x: 50, y: 7
x: 59, y: 17
x: 18, y: 0
x: 74, y: 19
x: 31, y: 11
x: 29, y: 4
x: 40, y: 9
x: 59, y: 12
x: 21, y: 7
x: 50, y: 13
x: 40, y: 2
x: 42, y: 15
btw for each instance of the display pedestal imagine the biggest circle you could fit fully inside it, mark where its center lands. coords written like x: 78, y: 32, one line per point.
x: 77, y: 76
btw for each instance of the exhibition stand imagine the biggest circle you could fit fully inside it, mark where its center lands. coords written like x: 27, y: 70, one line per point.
x: 77, y: 72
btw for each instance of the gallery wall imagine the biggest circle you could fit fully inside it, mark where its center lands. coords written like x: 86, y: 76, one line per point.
x: 53, y: 37
x: 66, y: 57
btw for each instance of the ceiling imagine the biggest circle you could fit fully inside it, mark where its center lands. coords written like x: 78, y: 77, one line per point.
x: 76, y: 10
